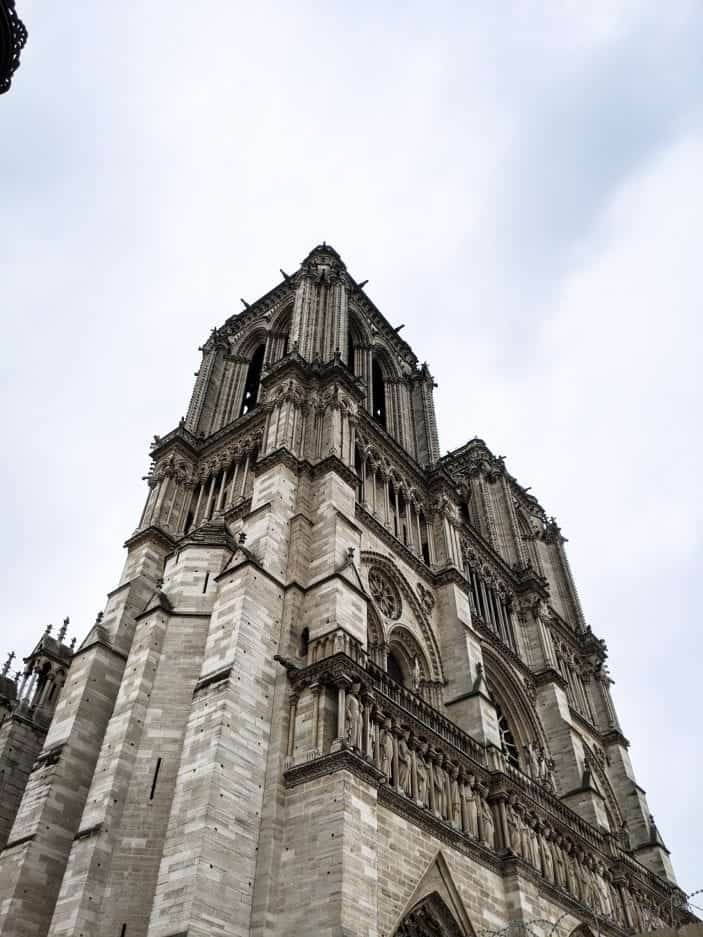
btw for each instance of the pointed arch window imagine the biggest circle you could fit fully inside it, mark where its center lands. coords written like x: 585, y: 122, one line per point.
x: 351, y: 351
x: 394, y: 669
x: 251, y: 385
x: 378, y: 392
x: 507, y: 739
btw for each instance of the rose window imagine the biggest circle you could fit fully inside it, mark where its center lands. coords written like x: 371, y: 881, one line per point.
x: 384, y: 594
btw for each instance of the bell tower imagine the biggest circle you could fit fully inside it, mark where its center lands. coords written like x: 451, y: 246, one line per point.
x: 342, y: 685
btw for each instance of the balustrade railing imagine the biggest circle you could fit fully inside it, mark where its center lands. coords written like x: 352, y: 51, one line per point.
x: 342, y: 701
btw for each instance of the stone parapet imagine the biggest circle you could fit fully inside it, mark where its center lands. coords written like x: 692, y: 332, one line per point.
x: 347, y: 713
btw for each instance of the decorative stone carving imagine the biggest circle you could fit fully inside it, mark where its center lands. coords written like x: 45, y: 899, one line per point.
x: 384, y: 594
x: 440, y: 787
x: 354, y: 719
x: 387, y: 750
x: 547, y: 860
x: 405, y: 764
x: 422, y: 776
x: 454, y: 798
x: 471, y: 800
x: 486, y: 822
x: 514, y: 821
x: 426, y: 598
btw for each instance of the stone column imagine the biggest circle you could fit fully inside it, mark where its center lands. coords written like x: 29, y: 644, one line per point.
x: 340, y: 740
x: 292, y: 716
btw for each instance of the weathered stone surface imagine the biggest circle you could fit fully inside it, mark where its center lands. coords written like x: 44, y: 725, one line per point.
x: 343, y: 686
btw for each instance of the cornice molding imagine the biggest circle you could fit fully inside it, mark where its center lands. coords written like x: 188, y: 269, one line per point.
x: 343, y: 760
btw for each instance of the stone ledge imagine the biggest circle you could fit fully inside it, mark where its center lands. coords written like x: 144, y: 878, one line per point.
x: 210, y: 679
x: 89, y: 831
x: 343, y: 760
x: 49, y: 757
x: 20, y: 842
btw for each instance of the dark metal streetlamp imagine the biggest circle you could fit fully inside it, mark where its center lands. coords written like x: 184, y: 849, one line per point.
x: 13, y: 35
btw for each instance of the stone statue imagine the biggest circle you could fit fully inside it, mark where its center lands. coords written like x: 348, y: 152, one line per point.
x: 387, y: 750
x: 471, y: 807
x: 571, y: 876
x: 422, y: 776
x: 602, y: 886
x: 417, y: 675
x: 513, y: 818
x: 488, y: 828
x: 525, y: 841
x: 440, y: 788
x: 354, y: 718
x: 405, y: 764
x: 455, y: 799
x: 559, y: 869
x: 531, y: 762
x: 546, y: 855
x: 535, y: 858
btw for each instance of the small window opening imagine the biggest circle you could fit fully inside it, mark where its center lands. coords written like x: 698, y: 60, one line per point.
x: 304, y: 642
x: 350, y: 352
x: 153, y: 783
x: 251, y: 385
x: 395, y: 671
x: 360, y: 472
x: 507, y: 738
x: 426, y: 552
x: 378, y: 391
x: 123, y: 932
x: 207, y: 579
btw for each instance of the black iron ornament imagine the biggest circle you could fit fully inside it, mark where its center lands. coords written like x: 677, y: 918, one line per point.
x: 13, y: 36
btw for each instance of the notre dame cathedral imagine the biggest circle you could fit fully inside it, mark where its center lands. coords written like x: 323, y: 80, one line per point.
x: 344, y: 686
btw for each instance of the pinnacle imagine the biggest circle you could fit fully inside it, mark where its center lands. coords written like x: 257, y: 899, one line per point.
x: 323, y: 248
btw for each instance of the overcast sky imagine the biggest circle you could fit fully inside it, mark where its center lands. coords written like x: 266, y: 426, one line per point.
x: 522, y: 185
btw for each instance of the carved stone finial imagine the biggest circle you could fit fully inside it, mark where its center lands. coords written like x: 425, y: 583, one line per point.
x: 8, y: 662
x: 98, y: 618
x: 73, y: 642
x: 48, y: 630
x: 64, y: 628
x: 242, y: 539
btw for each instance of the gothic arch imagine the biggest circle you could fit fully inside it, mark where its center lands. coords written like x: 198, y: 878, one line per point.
x: 604, y: 788
x: 359, y: 327
x: 582, y: 930
x: 431, y: 647
x: 281, y: 320
x: 279, y: 335
x: 375, y: 635
x: 406, y: 649
x: 526, y: 533
x: 510, y: 695
x: 430, y: 918
x: 435, y: 908
x: 249, y: 342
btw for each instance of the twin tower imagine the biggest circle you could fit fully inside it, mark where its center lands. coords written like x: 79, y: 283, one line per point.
x: 344, y: 685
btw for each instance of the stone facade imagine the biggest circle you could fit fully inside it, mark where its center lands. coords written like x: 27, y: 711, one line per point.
x: 343, y: 687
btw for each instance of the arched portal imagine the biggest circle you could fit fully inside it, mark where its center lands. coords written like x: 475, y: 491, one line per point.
x: 430, y: 917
